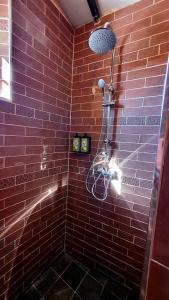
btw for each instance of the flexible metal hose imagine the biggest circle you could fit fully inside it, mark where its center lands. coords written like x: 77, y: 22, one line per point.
x: 103, y: 163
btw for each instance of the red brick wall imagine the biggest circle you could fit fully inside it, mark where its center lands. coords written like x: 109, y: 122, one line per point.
x: 33, y: 201
x: 114, y: 232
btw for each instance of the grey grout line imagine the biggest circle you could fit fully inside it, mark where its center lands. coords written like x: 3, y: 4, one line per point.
x: 63, y: 270
x: 103, y: 287
x: 78, y: 296
x: 80, y: 284
x: 59, y: 276
x: 36, y: 289
x: 97, y: 280
x: 86, y: 273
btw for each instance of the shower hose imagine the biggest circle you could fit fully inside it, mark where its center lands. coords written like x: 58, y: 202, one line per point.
x: 100, y: 170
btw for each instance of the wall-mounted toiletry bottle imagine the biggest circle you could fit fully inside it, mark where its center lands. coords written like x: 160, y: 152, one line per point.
x: 85, y: 144
x: 76, y: 143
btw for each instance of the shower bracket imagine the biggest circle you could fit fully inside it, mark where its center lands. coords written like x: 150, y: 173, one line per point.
x: 111, y: 89
x: 108, y: 103
x: 107, y: 141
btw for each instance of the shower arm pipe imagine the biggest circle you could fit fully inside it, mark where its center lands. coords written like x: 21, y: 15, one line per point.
x: 106, y: 25
x: 111, y: 92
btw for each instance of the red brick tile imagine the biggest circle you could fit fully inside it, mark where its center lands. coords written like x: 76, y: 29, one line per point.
x: 19, y: 120
x: 164, y: 48
x: 24, y: 111
x: 26, y: 37
x: 152, y: 51
x: 27, y: 14
x: 18, y: 18
x: 152, y: 10
x: 10, y: 211
x: 17, y: 140
x: 7, y: 107
x: 160, y: 38
x: 160, y: 16
x: 18, y: 88
x: 135, y: 7
x: 27, y: 60
x: 152, y: 30
x: 27, y: 81
x: 12, y: 151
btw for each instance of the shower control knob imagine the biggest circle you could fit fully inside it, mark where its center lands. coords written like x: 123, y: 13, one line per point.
x: 111, y: 89
x: 107, y: 141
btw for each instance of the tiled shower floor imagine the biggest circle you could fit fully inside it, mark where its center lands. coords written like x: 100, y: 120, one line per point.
x: 68, y: 278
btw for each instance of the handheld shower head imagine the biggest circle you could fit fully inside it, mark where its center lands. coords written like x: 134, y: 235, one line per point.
x: 101, y: 85
x: 102, y: 40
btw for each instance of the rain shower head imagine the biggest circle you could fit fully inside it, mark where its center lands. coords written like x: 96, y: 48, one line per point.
x: 102, y: 40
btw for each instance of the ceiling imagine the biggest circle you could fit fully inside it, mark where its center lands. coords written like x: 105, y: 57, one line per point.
x: 79, y: 13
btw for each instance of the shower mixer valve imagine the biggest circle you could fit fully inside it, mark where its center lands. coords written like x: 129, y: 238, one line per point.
x: 109, y: 174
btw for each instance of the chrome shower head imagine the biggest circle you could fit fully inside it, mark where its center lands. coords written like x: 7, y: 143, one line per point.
x: 102, y: 40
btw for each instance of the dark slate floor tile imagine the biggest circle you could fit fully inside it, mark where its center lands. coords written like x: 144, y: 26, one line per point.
x: 84, y: 262
x: 62, y: 263
x: 104, y: 270
x: 133, y: 296
x: 98, y: 275
x: 66, y: 275
x: 73, y: 275
x: 59, y: 291
x: 82, y: 265
x: 106, y: 295
x: 89, y: 289
x: 116, y: 289
x: 32, y: 294
x: 45, y: 281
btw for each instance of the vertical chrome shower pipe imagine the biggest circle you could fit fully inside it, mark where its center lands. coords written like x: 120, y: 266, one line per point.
x: 107, y: 129
x: 108, y: 106
x: 110, y: 100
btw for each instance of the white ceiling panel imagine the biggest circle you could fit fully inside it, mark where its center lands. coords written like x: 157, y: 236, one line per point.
x: 79, y: 13
x: 107, y: 6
